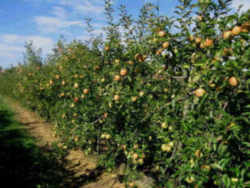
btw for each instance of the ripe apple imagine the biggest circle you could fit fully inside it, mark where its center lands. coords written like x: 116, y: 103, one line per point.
x: 51, y: 82
x: 199, y: 92
x: 123, y: 72
x: 209, y: 42
x: 134, y: 99
x: 117, y: 61
x: 116, y: 97
x: 164, y: 125
x: 135, y: 156
x: 233, y: 81
x: 166, y: 147
x: 141, y: 93
x: 108, y: 136
x: 63, y: 82
x: 197, y: 40
x: 86, y: 91
x: 105, y: 115
x: 76, y: 85
x: 161, y: 33
x: 227, y: 34
x: 117, y: 78
x: 76, y: 99
x: 236, y: 30
x: 130, y: 62
x: 165, y: 45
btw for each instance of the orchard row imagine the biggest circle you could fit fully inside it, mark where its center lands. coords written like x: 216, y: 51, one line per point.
x: 169, y: 99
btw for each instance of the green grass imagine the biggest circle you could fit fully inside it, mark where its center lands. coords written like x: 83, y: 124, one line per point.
x: 22, y: 163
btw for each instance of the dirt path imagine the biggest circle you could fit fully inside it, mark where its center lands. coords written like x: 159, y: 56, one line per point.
x: 76, y: 162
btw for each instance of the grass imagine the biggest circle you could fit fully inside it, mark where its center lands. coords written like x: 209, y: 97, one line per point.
x: 22, y: 163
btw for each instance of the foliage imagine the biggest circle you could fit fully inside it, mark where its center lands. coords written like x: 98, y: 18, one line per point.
x: 167, y: 96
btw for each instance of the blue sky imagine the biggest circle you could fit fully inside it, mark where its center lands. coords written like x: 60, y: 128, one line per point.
x: 43, y: 21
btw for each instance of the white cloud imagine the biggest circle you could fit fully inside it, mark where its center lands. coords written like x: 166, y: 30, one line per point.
x: 17, y: 41
x: 9, y: 51
x: 49, y: 24
x: 245, y: 3
x: 88, y: 7
x: 45, y: 43
x: 80, y: 6
x: 12, y: 47
x: 8, y: 38
x: 59, y: 12
x: 85, y: 7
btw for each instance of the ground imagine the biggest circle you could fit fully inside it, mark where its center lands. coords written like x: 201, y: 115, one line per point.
x: 78, y: 169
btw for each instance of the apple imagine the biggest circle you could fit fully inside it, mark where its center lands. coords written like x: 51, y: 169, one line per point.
x: 233, y: 81
x: 166, y: 147
x: 164, y: 125
x: 116, y: 97
x: 165, y: 45
x: 227, y: 34
x: 86, y: 91
x: 161, y: 33
x: 117, y: 61
x: 134, y: 99
x: 130, y: 62
x: 141, y: 93
x: 76, y: 99
x: 236, y: 30
x: 123, y: 72
x: 209, y: 42
x: 76, y: 85
x: 199, y: 92
x: 197, y: 40
x: 117, y: 78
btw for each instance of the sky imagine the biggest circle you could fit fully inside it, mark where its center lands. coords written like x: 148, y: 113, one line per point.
x: 44, y: 21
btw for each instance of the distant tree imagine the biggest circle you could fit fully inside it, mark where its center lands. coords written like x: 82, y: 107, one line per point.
x: 112, y: 27
x: 32, y: 56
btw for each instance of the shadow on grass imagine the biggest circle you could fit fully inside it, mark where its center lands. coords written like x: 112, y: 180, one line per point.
x: 23, y: 164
